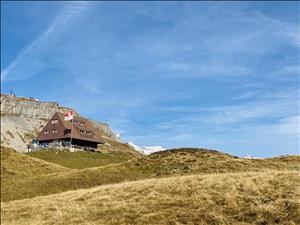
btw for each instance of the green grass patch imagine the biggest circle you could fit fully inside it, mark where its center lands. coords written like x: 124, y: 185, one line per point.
x: 79, y: 160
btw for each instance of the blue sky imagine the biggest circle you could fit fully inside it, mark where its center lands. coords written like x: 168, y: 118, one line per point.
x: 221, y: 75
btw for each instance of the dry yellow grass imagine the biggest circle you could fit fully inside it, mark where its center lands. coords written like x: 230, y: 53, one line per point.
x: 164, y: 164
x: 80, y: 160
x: 18, y: 165
x: 269, y: 197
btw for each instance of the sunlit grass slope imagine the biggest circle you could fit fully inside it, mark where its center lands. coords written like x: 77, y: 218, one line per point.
x: 111, y: 152
x: 16, y: 165
x: 169, y: 163
x: 231, y: 198
x: 80, y: 160
x: 185, y: 160
x: 18, y: 168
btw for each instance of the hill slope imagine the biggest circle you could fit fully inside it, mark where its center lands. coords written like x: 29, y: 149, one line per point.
x: 110, y: 152
x: 80, y: 160
x: 186, y: 160
x: 17, y: 165
x: 240, y: 198
x: 163, y: 164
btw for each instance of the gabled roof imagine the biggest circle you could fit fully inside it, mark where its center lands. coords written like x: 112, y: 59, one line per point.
x: 76, y: 134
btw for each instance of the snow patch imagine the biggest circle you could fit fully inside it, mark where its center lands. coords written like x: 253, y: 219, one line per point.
x: 147, y: 150
x: 247, y: 156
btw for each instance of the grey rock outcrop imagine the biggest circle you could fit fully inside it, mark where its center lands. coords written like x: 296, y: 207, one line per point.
x: 29, y: 108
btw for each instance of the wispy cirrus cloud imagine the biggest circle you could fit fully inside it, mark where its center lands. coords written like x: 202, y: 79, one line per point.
x: 288, y: 70
x: 173, y: 73
x: 244, y: 125
x: 89, y: 83
x: 32, y: 59
x: 205, y: 70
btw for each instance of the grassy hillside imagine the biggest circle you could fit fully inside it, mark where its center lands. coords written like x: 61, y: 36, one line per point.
x: 169, y: 163
x: 18, y: 168
x: 231, y: 198
x: 17, y: 165
x: 187, y: 160
x: 80, y: 160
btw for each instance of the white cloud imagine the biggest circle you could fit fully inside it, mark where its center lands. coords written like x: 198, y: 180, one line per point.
x: 30, y: 60
x: 275, y: 113
x: 247, y: 112
x: 89, y: 83
x: 204, y: 70
x: 288, y: 70
x: 125, y: 68
x: 246, y: 95
x: 289, y: 125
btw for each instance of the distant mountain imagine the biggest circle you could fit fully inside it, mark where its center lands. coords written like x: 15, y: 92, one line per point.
x: 147, y: 150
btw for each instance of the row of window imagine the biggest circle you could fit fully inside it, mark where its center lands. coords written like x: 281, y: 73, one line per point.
x: 54, y: 121
x: 86, y: 132
x: 53, y: 131
x: 76, y: 122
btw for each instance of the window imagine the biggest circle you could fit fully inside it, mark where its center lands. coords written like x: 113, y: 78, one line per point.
x: 81, y: 123
x: 54, y: 131
x: 81, y: 131
x: 89, y: 133
x: 46, y: 132
x: 67, y: 131
x: 54, y: 121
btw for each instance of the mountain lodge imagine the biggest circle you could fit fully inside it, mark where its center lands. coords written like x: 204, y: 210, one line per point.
x: 78, y: 132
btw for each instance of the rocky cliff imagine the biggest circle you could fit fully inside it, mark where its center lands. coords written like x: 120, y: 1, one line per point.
x: 22, y: 119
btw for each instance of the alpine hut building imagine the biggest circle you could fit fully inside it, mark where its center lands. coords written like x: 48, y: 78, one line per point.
x: 77, y: 132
